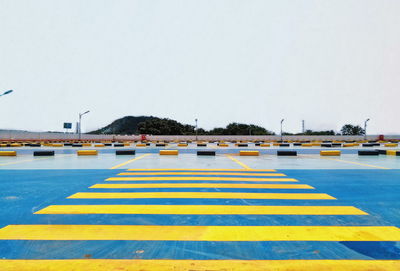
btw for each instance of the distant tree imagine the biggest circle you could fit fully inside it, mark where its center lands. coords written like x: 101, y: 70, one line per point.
x: 245, y: 129
x: 349, y: 129
x: 311, y: 132
x: 217, y: 131
x: 287, y: 133
x: 157, y: 126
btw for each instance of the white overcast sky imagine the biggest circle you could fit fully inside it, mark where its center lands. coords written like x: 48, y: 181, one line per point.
x: 327, y: 62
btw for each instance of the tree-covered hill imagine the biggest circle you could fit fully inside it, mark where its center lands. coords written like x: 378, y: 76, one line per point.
x: 130, y: 125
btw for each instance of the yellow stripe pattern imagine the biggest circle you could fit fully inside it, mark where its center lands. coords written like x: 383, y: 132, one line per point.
x: 199, y: 265
x: 200, y: 233
x: 201, y: 210
x: 196, y: 178
x: 199, y: 195
x: 203, y: 185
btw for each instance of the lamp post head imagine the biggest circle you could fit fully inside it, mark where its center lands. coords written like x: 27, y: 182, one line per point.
x: 81, y: 114
x: 282, y: 120
x: 7, y: 92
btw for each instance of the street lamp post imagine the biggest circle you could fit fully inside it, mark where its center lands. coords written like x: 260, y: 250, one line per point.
x: 6, y: 92
x: 365, y: 129
x: 196, y: 128
x: 281, y: 129
x: 80, y: 119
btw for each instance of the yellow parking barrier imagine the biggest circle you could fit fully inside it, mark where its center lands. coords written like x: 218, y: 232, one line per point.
x: 330, y: 153
x: 169, y: 152
x: 57, y: 145
x: 249, y: 153
x: 86, y: 144
x: 223, y: 145
x: 140, y: 145
x: 87, y: 152
x: 16, y: 145
x: 265, y: 145
x: 99, y: 145
x: 391, y: 145
x: 306, y: 145
x: 8, y: 153
x: 391, y: 152
x: 182, y: 145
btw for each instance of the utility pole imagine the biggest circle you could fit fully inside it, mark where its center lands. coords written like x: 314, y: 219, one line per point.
x: 80, y: 119
x: 196, y: 128
x: 281, y: 129
x: 365, y: 129
x: 303, y: 129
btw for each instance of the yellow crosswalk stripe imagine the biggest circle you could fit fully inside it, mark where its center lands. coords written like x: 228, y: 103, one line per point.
x: 202, y: 169
x: 201, y: 210
x: 197, y: 178
x: 193, y: 173
x: 200, y: 195
x: 200, y: 233
x: 199, y: 265
x: 202, y: 185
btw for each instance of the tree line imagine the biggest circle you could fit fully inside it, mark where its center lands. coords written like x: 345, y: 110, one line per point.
x: 163, y: 126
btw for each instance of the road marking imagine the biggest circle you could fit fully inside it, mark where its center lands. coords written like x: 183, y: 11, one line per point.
x: 195, y: 178
x: 203, y: 185
x: 199, y: 265
x: 130, y: 161
x: 35, y: 159
x: 340, y: 160
x: 202, y: 169
x: 200, y: 233
x: 201, y: 210
x: 199, y: 195
x: 355, y: 163
x: 220, y: 179
x: 192, y: 173
x: 238, y: 162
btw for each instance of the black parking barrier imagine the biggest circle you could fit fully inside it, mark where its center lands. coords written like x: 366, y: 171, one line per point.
x: 369, y: 152
x: 284, y: 145
x: 382, y: 152
x: 336, y: 144
x: 118, y: 145
x: 201, y: 145
x: 43, y: 153
x: 326, y: 145
x: 160, y: 145
x: 287, y: 153
x: 34, y: 145
x: 206, y: 153
x: 76, y: 145
x: 367, y: 145
x: 125, y: 152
